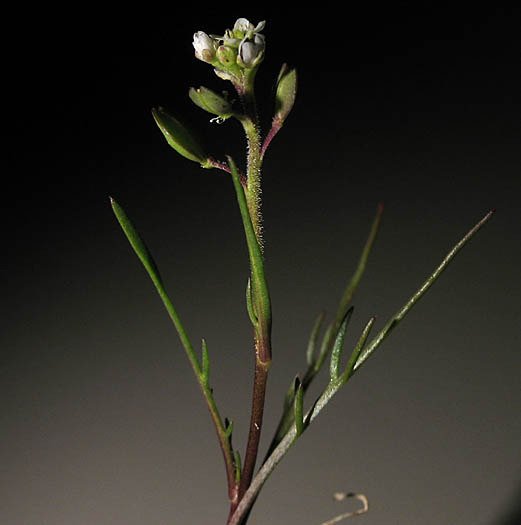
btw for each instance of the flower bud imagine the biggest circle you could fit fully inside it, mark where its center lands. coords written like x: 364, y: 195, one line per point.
x: 286, y: 93
x: 211, y: 102
x: 180, y: 138
x: 251, y: 51
x: 226, y: 55
x: 204, y: 46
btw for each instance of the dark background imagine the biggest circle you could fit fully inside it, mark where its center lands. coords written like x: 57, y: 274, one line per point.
x: 102, y: 421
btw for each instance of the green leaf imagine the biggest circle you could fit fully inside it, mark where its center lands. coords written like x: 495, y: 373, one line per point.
x: 179, y: 138
x: 347, y: 297
x: 285, y: 94
x: 210, y: 101
x: 337, y: 347
x: 313, y: 339
x: 144, y: 255
x: 404, y: 310
x: 224, y: 434
x: 136, y: 242
x: 344, y: 304
x: 299, y: 407
x: 357, y: 350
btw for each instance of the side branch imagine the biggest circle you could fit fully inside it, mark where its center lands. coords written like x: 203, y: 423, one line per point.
x: 201, y: 372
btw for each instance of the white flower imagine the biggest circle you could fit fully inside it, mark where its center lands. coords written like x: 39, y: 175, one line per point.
x: 244, y: 41
x: 244, y: 26
x: 242, y: 29
x: 204, y: 46
x: 250, y: 51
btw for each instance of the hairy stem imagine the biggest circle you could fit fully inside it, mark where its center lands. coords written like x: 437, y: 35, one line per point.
x: 261, y: 320
x: 250, y: 124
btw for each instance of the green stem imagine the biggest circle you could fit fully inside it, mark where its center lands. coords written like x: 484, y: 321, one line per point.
x: 248, y: 195
x: 201, y: 373
x: 261, y: 320
x: 253, y: 188
x: 250, y: 124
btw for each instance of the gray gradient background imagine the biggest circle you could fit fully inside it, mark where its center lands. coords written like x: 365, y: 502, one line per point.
x: 102, y: 421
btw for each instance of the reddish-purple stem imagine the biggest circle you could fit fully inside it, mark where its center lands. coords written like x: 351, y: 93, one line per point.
x: 275, y: 127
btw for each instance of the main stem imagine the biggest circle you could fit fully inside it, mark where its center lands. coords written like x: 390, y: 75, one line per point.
x: 260, y: 295
x: 250, y: 123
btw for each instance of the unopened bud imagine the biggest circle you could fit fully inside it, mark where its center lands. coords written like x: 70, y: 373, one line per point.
x: 251, y: 51
x: 227, y: 55
x: 204, y: 46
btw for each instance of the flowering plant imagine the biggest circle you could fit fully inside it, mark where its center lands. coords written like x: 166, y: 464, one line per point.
x: 236, y: 57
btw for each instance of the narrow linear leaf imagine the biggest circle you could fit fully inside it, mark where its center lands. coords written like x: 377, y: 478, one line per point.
x: 337, y: 347
x: 357, y: 350
x: 393, y: 322
x: 144, y: 255
x: 288, y: 414
x: 290, y: 394
x: 316, y: 365
x: 299, y: 407
x: 310, y: 353
x: 357, y: 276
x: 136, y: 242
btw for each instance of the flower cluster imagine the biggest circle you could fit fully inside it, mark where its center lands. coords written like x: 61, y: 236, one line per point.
x: 239, y: 49
x: 235, y: 56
